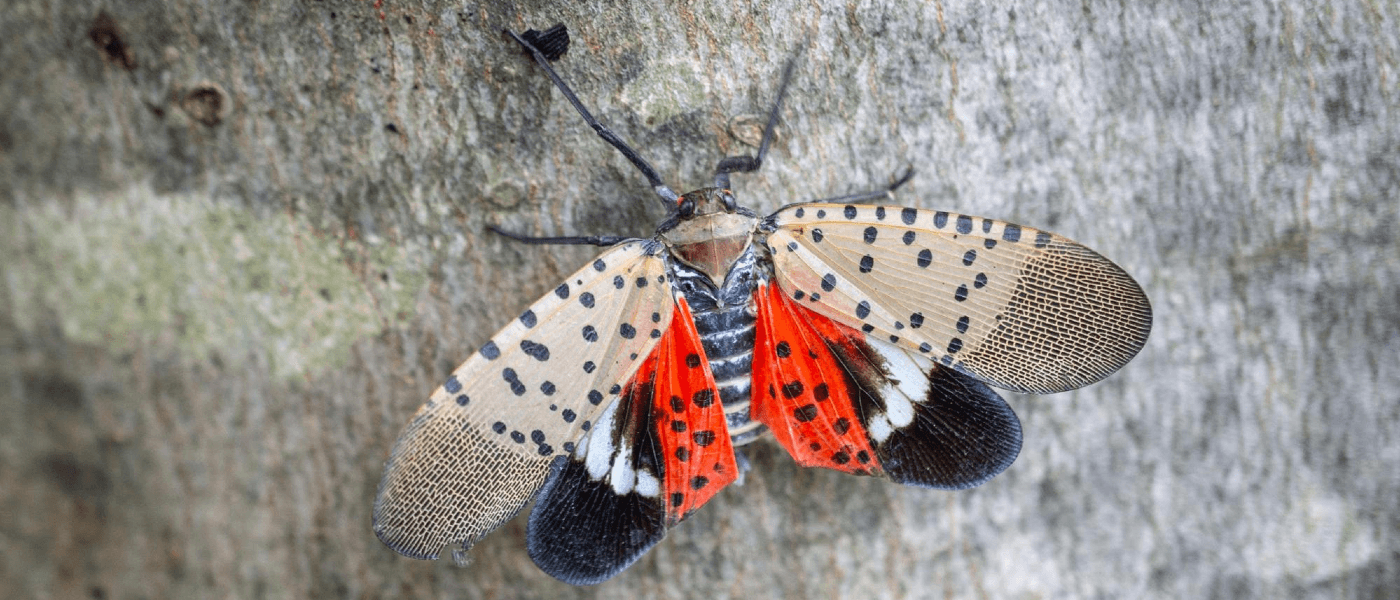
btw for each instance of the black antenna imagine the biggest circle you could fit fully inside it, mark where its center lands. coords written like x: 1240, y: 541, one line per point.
x: 668, y: 197
x: 749, y: 164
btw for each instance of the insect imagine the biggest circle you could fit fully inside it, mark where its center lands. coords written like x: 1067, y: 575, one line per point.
x: 864, y: 338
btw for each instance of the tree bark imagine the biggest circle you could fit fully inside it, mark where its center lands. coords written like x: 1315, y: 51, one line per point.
x: 244, y: 241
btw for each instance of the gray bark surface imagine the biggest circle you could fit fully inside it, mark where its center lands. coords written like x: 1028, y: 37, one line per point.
x: 242, y: 242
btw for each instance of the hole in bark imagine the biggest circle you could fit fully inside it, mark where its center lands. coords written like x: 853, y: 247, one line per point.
x: 204, y: 103
x: 108, y: 39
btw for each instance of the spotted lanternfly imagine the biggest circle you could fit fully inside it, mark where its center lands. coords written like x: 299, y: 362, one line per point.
x: 865, y: 338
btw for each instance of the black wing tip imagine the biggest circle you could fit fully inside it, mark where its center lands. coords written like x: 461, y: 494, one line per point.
x: 932, y: 453
x: 581, y: 532
x: 570, y: 571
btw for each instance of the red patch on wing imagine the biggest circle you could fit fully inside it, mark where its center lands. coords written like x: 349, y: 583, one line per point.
x: 800, y: 388
x: 689, y: 419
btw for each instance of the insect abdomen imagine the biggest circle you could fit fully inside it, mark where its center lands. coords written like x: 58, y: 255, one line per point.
x: 727, y: 334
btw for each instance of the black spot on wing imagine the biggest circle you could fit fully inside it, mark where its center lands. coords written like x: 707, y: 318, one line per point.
x: 582, y: 532
x: 925, y: 258
x: 535, y: 350
x: 490, y: 351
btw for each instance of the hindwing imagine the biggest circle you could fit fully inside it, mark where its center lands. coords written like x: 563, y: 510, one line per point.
x: 836, y: 398
x: 660, y: 450
x: 1021, y: 309
x: 482, y: 445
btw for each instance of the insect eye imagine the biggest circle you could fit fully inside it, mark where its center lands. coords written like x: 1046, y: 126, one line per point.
x: 729, y: 204
x: 686, y: 208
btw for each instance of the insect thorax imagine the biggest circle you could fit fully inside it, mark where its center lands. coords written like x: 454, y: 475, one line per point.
x: 711, y: 232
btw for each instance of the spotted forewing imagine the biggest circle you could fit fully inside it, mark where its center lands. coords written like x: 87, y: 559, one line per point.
x: 481, y: 447
x: 1022, y: 309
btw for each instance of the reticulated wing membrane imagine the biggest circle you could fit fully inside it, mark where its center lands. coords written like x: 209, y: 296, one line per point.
x: 1018, y: 308
x: 837, y: 398
x: 481, y: 447
x: 659, y: 451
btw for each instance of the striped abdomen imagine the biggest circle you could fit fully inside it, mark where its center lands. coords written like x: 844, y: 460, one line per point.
x: 725, y: 321
x: 727, y: 334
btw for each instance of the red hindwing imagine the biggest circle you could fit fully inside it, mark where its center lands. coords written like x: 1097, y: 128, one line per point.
x: 690, y: 423
x: 800, y: 387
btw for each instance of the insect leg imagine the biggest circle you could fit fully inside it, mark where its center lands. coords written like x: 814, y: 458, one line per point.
x: 667, y: 196
x: 572, y: 240
x: 885, y: 194
x: 749, y: 164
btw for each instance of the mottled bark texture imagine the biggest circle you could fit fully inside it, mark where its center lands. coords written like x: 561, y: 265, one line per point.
x: 242, y: 241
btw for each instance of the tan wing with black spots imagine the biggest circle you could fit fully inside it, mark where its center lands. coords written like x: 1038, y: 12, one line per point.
x: 481, y: 447
x: 1021, y: 309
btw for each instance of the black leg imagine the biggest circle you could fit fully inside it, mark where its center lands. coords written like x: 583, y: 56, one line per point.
x: 887, y: 193
x: 668, y: 196
x: 749, y: 164
x: 572, y: 240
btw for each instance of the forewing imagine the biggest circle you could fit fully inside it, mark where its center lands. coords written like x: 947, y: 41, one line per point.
x: 481, y: 447
x: 1018, y: 308
x: 658, y: 452
x: 838, y: 399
